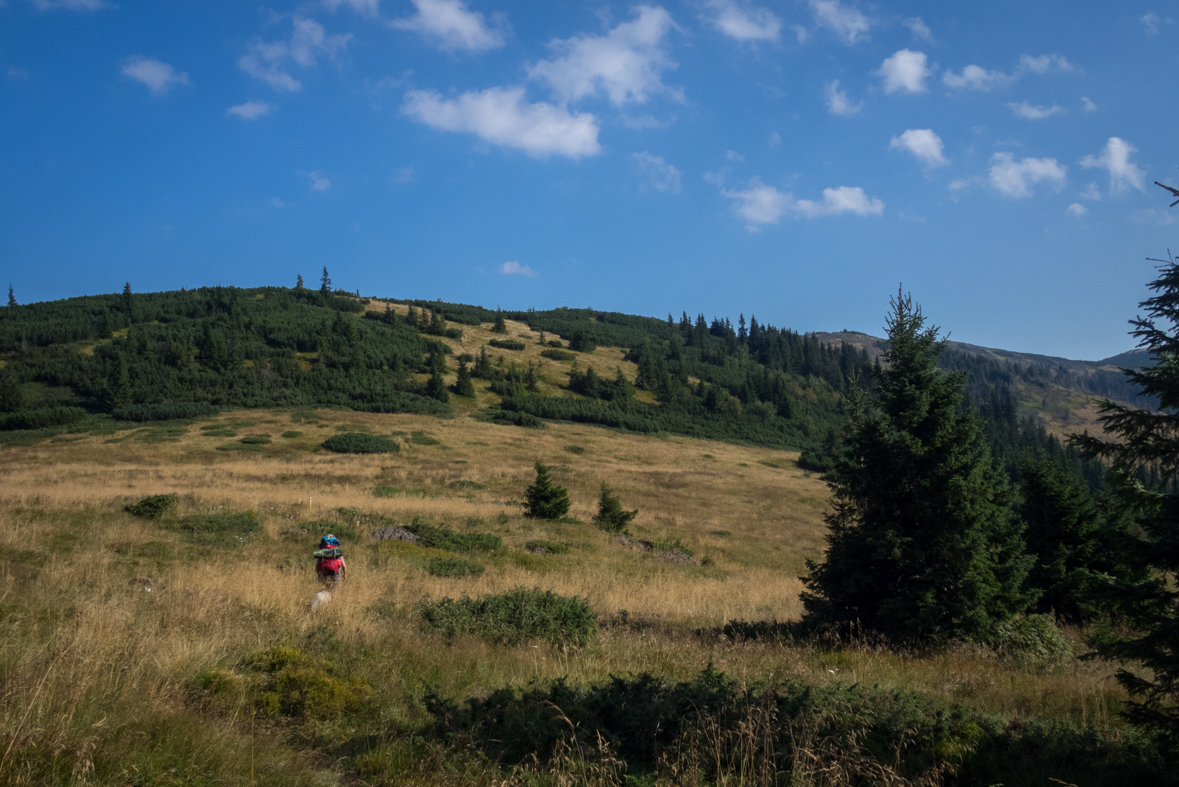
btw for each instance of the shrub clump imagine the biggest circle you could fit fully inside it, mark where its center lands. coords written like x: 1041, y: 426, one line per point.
x: 507, y: 344
x: 451, y: 540
x: 558, y: 355
x: 299, y: 685
x: 514, y: 418
x: 152, y: 507
x: 166, y: 411
x: 41, y: 418
x: 1033, y: 640
x: 512, y: 617
x: 452, y: 567
x: 227, y: 530
x: 357, y: 443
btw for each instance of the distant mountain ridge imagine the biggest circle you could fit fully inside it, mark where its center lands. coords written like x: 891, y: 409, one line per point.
x: 1060, y: 393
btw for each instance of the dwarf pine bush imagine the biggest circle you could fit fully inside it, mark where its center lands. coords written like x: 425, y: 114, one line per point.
x: 513, y: 617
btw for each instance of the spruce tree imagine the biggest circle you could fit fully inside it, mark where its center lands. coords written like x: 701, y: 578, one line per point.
x: 299, y: 282
x: 436, y: 388
x: 482, y: 364
x: 611, y: 517
x: 922, y: 544
x: 11, y: 297
x: 544, y: 499
x: 463, y: 386
x: 325, y: 283
x: 1145, y: 440
x: 500, y: 326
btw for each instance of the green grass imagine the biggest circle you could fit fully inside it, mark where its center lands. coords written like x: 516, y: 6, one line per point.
x: 452, y: 567
x: 514, y: 617
x: 421, y: 438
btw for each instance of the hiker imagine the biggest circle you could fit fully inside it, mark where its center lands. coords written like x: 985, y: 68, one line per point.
x: 329, y: 561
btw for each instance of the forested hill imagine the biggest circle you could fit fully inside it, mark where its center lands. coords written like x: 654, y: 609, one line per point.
x: 1061, y: 394
x: 81, y: 363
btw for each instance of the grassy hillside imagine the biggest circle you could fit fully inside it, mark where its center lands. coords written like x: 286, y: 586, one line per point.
x: 166, y: 651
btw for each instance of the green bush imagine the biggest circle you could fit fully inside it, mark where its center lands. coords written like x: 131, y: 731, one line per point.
x: 611, y: 516
x: 291, y: 435
x: 540, y: 545
x: 168, y: 411
x: 152, y: 507
x: 453, y: 567
x: 357, y: 443
x: 517, y: 419
x: 225, y: 530
x: 512, y: 617
x: 299, y: 685
x: 558, y: 355
x: 42, y: 418
x: 255, y: 439
x: 453, y: 541
x: 507, y: 344
x: 1033, y: 640
x: 421, y: 438
x: 575, y: 449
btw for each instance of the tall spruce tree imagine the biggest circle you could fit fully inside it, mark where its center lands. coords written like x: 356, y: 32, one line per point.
x: 325, y: 283
x: 1147, y: 440
x: 463, y: 385
x: 544, y: 499
x: 922, y: 544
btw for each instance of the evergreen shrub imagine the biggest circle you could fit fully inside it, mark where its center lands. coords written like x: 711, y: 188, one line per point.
x: 453, y: 567
x: 544, y: 499
x: 152, y: 507
x: 299, y: 685
x: 513, y: 418
x: 357, y: 443
x: 513, y: 617
x: 558, y: 355
x: 451, y: 540
x: 507, y: 344
x: 1032, y: 640
x: 166, y: 411
x: 41, y: 418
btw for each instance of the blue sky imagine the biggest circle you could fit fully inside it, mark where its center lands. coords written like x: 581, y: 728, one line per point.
x: 791, y: 159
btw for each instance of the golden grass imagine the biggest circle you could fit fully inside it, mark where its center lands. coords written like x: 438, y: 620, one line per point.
x: 90, y: 659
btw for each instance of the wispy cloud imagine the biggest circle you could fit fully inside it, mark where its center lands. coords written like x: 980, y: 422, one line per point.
x: 837, y: 101
x: 743, y: 21
x: 158, y: 76
x: 1115, y: 159
x: 1015, y: 179
x: 271, y: 61
x: 760, y: 204
x: 919, y: 28
x: 1077, y: 209
x: 449, y: 25
x: 503, y: 116
x: 974, y: 77
x: 514, y: 268
x: 251, y: 110
x: 1151, y: 22
x: 844, y: 21
x: 319, y: 181
x: 925, y: 145
x: 1029, y: 112
x: 657, y: 173
x: 363, y: 7
x: 905, y: 72
x: 626, y: 64
x: 72, y: 5
x: 1088, y: 105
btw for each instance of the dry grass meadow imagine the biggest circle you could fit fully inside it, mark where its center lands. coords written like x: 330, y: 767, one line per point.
x: 99, y: 666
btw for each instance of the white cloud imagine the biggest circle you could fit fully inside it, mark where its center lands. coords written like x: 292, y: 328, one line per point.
x: 275, y: 202
x: 1029, y: 112
x: 1151, y: 22
x: 838, y: 102
x: 733, y: 155
x: 363, y: 7
x: 924, y: 144
x: 270, y: 61
x: 775, y: 140
x: 514, y: 268
x: 504, y: 117
x: 800, y: 33
x: 1091, y: 192
x: 1115, y: 158
x: 919, y: 28
x: 71, y: 5
x: 761, y: 204
x: 1088, y: 105
x: 626, y: 63
x: 976, y: 78
x: 744, y: 21
x: 847, y: 23
x: 1077, y: 209
x: 1014, y: 179
x: 250, y: 110
x: 904, y: 71
x: 450, y: 26
x: 159, y: 77
x: 659, y: 174
x: 404, y: 175
x: 1042, y: 64
x: 319, y: 181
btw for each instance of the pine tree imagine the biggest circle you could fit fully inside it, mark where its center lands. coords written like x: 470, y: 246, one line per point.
x: 436, y: 387
x: 544, y: 499
x: 500, y: 326
x: 11, y: 397
x: 1146, y: 440
x: 922, y: 544
x: 127, y: 303
x: 463, y: 386
x: 11, y: 297
x: 611, y: 517
x: 482, y: 364
x: 299, y: 282
x: 325, y: 283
